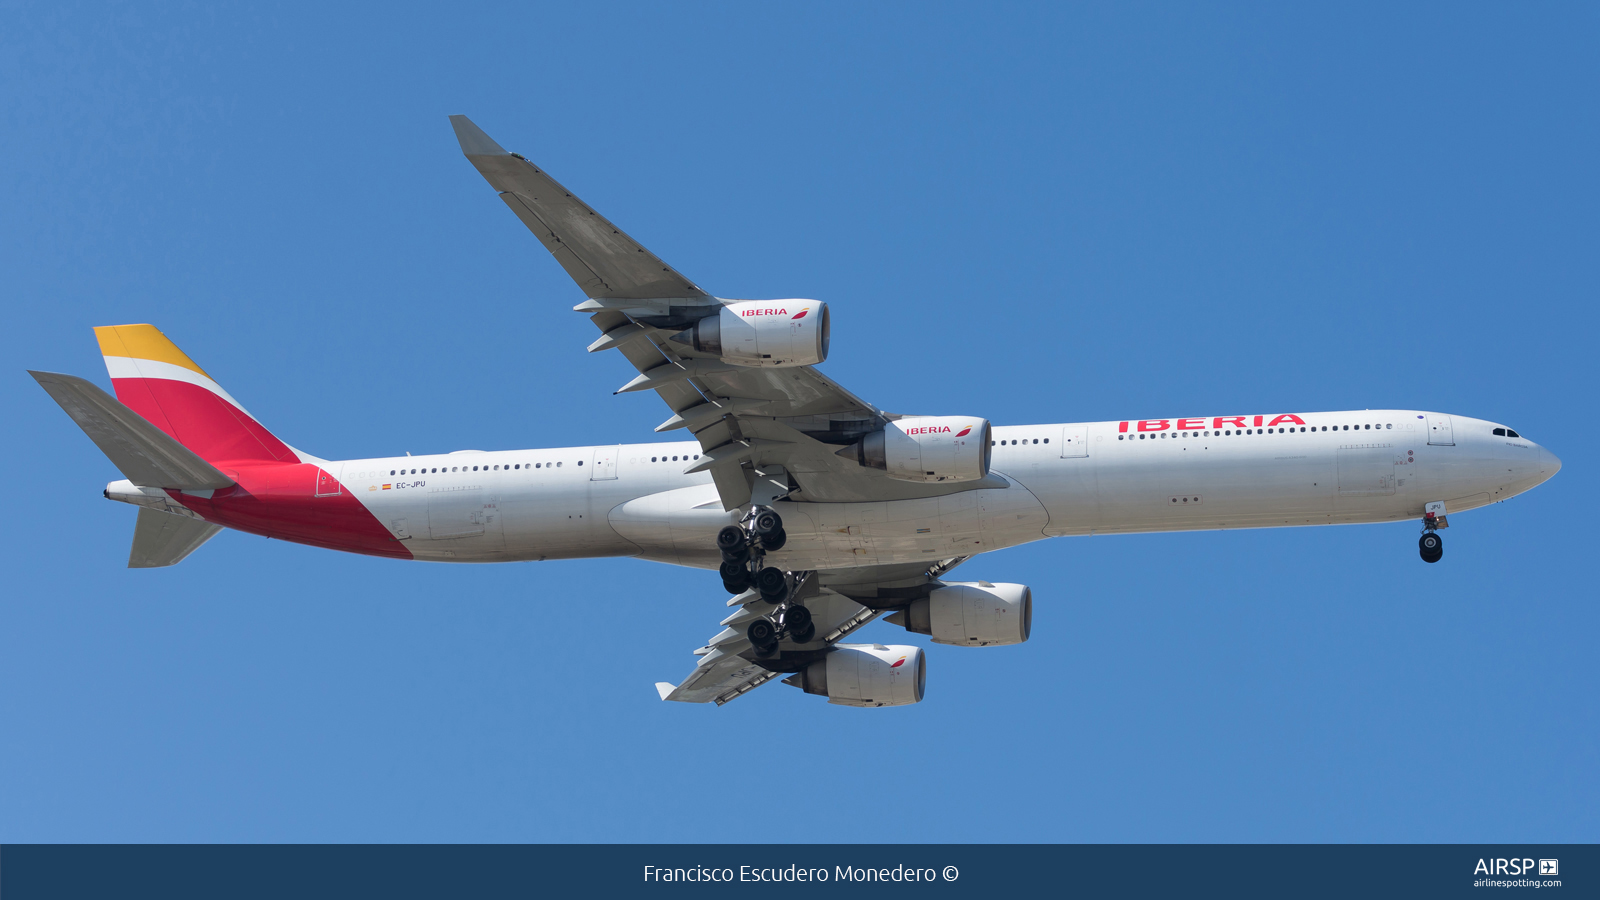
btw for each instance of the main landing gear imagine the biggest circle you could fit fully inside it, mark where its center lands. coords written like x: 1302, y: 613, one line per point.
x: 1431, y: 545
x: 744, y: 548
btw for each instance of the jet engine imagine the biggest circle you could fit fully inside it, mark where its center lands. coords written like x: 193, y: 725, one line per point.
x: 971, y: 614
x: 866, y: 675
x: 927, y: 449
x: 776, y: 333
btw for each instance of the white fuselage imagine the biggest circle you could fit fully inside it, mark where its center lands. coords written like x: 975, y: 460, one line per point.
x: 1073, y: 479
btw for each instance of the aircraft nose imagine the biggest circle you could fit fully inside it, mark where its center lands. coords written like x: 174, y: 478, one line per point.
x: 1549, y: 463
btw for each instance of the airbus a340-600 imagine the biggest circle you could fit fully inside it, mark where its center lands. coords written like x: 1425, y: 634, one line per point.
x: 820, y: 511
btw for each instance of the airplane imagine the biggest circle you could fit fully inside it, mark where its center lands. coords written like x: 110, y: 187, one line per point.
x: 820, y: 511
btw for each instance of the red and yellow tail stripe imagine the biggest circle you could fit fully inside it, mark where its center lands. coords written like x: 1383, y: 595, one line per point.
x: 160, y: 382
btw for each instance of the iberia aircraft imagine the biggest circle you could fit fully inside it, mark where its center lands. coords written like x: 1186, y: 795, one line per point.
x: 820, y: 511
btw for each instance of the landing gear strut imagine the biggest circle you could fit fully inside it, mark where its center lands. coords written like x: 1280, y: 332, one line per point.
x: 744, y: 548
x: 1431, y: 545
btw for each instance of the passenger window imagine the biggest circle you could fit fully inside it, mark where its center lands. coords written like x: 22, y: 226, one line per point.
x: 1036, y: 440
x: 1047, y: 440
x: 580, y: 462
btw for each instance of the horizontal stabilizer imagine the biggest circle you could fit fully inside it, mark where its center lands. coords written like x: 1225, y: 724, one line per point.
x: 163, y: 539
x: 143, y: 452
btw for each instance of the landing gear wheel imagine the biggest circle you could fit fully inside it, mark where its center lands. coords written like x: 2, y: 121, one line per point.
x: 766, y: 522
x: 772, y: 584
x: 805, y: 635
x: 774, y: 540
x: 763, y: 637
x: 1431, y: 547
x: 734, y: 577
x: 797, y: 619
x: 731, y: 540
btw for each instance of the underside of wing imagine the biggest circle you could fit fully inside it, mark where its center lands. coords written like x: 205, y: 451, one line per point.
x: 840, y: 602
x: 603, y: 260
x: 728, y: 668
x: 757, y: 420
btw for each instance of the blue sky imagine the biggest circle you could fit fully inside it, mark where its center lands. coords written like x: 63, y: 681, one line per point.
x: 1034, y: 214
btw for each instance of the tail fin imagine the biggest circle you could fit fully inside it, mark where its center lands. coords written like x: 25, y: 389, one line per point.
x: 159, y: 382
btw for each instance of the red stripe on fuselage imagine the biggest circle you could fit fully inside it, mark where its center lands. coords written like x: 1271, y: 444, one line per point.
x: 201, y: 420
x: 280, y: 501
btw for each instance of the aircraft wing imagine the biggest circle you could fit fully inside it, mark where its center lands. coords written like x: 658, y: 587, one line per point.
x: 603, y: 261
x: 782, y: 426
x: 840, y: 601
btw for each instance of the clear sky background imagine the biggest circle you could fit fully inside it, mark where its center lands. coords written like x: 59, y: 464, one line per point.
x: 1030, y: 213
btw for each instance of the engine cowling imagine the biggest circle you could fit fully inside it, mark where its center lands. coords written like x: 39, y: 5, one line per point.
x: 774, y: 333
x: 971, y: 614
x: 866, y: 675
x: 927, y: 449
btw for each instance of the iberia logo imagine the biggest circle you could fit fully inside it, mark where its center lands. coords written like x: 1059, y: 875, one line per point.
x: 896, y: 663
x: 802, y: 313
x: 964, y: 432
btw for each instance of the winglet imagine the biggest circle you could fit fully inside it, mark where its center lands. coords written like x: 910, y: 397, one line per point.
x: 664, y: 688
x: 473, y: 141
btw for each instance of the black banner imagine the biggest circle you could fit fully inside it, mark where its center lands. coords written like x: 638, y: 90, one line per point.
x: 177, y: 872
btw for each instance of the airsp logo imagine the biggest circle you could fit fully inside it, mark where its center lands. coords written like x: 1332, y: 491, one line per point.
x: 1516, y: 867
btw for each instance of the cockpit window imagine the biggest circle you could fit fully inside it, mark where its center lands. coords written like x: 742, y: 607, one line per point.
x: 1510, y: 433
x: 1506, y: 432
x: 1499, y: 432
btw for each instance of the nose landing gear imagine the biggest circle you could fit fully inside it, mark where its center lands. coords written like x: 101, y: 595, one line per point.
x: 1431, y: 545
x: 744, y: 548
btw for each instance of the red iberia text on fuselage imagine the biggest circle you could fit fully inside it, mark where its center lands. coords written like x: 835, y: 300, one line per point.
x: 1199, y: 423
